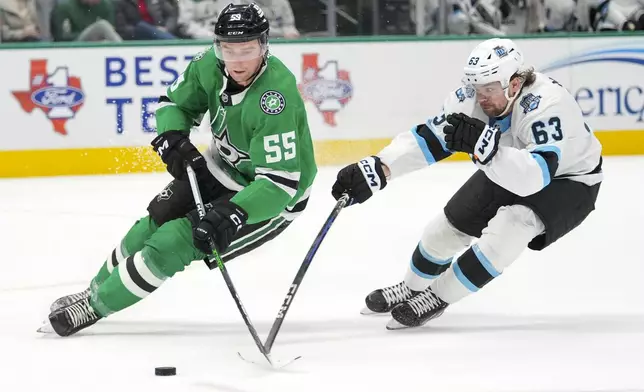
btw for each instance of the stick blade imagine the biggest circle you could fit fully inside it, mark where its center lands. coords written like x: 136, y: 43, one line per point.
x: 274, y: 364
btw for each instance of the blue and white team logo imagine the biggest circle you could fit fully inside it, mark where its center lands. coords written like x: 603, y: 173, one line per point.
x: 272, y: 102
x: 460, y: 95
x: 465, y: 92
x: 500, y: 51
x: 530, y: 102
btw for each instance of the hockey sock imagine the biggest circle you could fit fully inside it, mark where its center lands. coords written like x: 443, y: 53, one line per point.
x: 130, y: 244
x: 433, y: 254
x: 502, y: 241
x: 423, y: 268
x: 168, y: 251
x: 471, y: 271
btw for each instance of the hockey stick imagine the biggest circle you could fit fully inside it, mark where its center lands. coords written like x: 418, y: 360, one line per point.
x: 215, y: 255
x: 277, y: 324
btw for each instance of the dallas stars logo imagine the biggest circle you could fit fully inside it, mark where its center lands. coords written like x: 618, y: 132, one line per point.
x: 228, y: 151
x: 272, y: 102
x: 165, y: 194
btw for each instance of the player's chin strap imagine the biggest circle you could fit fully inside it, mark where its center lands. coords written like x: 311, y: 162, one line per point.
x: 510, y: 99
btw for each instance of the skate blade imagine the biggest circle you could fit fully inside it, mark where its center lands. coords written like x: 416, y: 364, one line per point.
x: 368, y: 312
x: 46, y: 327
x: 394, y: 325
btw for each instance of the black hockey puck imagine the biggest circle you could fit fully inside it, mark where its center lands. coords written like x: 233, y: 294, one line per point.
x: 165, y: 371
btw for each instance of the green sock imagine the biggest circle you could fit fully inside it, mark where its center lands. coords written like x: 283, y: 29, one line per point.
x: 130, y: 244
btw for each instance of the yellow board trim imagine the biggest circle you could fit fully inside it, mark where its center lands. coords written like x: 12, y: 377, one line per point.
x: 118, y: 160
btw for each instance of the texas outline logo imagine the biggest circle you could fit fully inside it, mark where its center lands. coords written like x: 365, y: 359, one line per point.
x: 328, y: 87
x: 58, y: 95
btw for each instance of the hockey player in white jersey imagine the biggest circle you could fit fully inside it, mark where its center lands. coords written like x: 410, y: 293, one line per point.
x: 539, y: 176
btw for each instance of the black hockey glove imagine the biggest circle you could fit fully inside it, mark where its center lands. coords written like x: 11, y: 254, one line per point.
x: 473, y: 136
x: 360, y: 180
x: 176, y: 151
x: 220, y: 223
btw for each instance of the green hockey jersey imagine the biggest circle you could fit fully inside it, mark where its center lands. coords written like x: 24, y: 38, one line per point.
x: 261, y: 144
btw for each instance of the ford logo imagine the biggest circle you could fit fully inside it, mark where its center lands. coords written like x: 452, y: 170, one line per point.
x: 54, y: 97
x: 320, y: 89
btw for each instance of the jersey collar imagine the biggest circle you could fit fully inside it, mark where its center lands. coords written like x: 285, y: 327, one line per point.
x: 228, y: 99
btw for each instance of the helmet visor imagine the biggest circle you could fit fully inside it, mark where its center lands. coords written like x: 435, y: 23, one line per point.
x: 239, y: 51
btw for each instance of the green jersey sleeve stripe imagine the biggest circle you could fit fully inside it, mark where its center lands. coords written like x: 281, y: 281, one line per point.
x: 288, y: 186
x: 276, y: 178
x: 254, y: 236
x: 165, y: 104
x: 294, y: 176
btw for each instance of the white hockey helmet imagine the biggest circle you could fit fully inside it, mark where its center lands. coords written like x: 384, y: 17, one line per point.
x: 493, y: 60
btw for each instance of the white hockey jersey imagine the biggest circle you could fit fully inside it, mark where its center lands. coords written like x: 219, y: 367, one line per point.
x: 544, y: 138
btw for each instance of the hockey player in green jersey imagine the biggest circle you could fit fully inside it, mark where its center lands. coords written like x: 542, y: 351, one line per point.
x: 255, y: 176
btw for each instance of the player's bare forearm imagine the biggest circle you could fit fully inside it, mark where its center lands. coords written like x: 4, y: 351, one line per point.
x: 386, y: 170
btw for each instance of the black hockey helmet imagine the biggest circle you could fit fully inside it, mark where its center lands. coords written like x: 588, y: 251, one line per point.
x: 241, y: 23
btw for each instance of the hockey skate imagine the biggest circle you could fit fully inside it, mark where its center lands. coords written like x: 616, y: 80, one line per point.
x: 71, y: 319
x: 68, y: 300
x: 417, y: 310
x: 384, y: 300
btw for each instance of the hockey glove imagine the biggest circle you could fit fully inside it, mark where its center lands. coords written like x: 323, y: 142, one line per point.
x: 220, y: 223
x: 473, y: 136
x: 176, y: 151
x: 360, y: 180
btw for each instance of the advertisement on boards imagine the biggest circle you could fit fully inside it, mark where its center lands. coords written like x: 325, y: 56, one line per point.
x: 88, y: 97
x: 106, y: 96
x: 605, y: 77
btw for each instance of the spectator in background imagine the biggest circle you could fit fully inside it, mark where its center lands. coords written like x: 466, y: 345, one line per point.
x: 485, y: 16
x: 464, y: 17
x: 43, y: 10
x: 529, y: 16
x: 83, y: 20
x: 280, y: 15
x: 18, y: 21
x: 634, y: 11
x: 610, y: 15
x: 147, y: 19
x: 197, y: 18
x: 559, y: 15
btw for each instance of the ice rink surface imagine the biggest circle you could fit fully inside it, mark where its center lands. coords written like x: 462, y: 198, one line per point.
x: 568, y: 319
